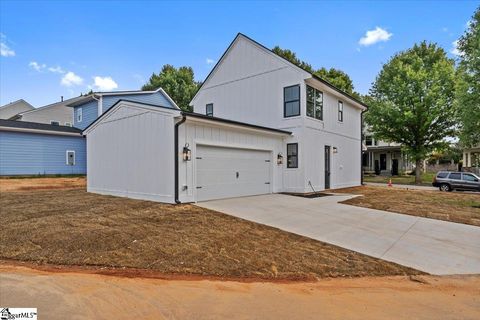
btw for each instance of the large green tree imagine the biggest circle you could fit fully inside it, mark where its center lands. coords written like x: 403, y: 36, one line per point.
x: 412, y: 101
x: 468, y: 83
x: 337, y: 77
x: 179, y: 84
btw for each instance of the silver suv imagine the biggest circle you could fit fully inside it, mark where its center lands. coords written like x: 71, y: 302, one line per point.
x: 448, y: 181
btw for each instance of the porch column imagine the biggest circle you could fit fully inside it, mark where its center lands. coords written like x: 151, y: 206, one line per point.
x: 464, y: 159
x: 469, y: 158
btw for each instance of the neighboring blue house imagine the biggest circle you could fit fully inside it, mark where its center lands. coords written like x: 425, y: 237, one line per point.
x: 92, y: 106
x: 29, y: 148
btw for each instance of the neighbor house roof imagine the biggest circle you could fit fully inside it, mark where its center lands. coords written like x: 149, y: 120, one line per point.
x: 96, y: 95
x: 24, y: 126
x: 314, y: 76
x: 64, y: 102
x: 13, y: 108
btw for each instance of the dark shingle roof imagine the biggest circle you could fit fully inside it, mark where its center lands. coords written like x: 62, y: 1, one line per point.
x: 37, y: 126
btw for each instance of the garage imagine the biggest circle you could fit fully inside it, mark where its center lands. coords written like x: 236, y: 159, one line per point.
x: 231, y: 172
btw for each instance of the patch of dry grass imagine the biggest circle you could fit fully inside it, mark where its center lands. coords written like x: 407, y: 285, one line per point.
x: 449, y: 206
x: 25, y: 184
x: 73, y: 227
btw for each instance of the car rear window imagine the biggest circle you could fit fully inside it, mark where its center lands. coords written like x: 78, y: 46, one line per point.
x: 442, y: 174
x: 455, y: 176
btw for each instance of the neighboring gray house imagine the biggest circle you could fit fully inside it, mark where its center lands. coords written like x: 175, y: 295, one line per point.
x: 56, y: 113
x: 471, y: 159
x: 14, y: 108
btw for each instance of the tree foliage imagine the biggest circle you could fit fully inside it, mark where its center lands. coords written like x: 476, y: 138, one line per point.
x: 337, y: 77
x: 179, y: 84
x: 468, y: 83
x: 412, y: 101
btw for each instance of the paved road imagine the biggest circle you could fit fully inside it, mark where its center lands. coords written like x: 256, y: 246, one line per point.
x: 434, y: 246
x: 86, y: 296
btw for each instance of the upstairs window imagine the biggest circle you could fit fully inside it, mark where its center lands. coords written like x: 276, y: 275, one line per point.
x: 314, y: 103
x: 209, y: 109
x: 340, y: 111
x: 291, y: 101
x: 79, y: 115
x: 368, y: 140
x: 68, y: 124
x: 292, y: 155
x: 54, y: 123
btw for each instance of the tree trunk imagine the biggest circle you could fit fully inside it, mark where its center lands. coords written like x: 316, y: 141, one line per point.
x: 418, y: 171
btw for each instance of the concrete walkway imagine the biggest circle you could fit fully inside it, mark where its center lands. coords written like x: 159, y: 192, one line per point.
x: 434, y: 246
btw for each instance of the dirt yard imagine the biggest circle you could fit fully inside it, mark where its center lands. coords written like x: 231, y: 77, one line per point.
x: 449, y: 206
x: 73, y: 227
x: 26, y: 184
x: 73, y: 295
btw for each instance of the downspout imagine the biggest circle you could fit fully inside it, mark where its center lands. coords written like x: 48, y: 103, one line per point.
x: 184, y: 118
x: 361, y: 147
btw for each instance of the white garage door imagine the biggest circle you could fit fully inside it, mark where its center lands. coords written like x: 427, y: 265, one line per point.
x: 231, y: 172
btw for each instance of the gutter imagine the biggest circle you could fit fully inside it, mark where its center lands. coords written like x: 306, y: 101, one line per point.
x: 184, y: 118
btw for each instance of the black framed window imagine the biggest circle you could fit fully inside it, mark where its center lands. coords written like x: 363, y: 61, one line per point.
x: 340, y: 111
x: 314, y: 103
x: 368, y: 141
x: 209, y: 109
x: 291, y: 101
x: 292, y: 155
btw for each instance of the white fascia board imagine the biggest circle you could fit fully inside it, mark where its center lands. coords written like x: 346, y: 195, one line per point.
x: 60, y: 133
x: 237, y: 127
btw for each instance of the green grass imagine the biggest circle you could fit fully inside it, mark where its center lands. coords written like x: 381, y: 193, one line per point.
x: 427, y: 178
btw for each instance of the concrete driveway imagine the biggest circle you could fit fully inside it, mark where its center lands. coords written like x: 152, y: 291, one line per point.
x: 434, y: 246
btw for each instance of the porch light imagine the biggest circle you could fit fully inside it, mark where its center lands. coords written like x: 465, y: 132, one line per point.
x: 279, y: 158
x: 187, y: 153
x: 335, y: 150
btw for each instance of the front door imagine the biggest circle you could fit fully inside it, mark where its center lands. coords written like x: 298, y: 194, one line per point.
x: 327, y: 167
x: 383, y: 161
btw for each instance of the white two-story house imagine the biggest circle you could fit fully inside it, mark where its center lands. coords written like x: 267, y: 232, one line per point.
x: 260, y: 125
x: 252, y: 84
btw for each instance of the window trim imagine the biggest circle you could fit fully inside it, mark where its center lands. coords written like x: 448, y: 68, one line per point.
x: 299, y: 102
x: 340, y: 112
x: 314, y: 105
x: 66, y: 157
x: 206, y: 110
x: 296, y: 149
x: 79, y: 116
x: 68, y: 124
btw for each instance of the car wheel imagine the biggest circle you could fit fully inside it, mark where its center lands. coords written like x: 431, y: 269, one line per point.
x: 445, y: 187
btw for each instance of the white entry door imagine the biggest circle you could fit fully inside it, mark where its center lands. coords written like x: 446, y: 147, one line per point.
x: 231, y: 172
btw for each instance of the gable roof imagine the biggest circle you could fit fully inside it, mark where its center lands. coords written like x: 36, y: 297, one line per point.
x: 34, y: 126
x: 94, y: 96
x: 51, y: 105
x: 241, y: 35
x: 12, y: 109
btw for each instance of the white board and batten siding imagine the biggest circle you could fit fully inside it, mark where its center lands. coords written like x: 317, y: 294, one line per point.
x: 220, y: 151
x: 129, y: 153
x: 247, y: 85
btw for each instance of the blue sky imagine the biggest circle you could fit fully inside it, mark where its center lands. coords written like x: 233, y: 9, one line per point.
x: 50, y: 49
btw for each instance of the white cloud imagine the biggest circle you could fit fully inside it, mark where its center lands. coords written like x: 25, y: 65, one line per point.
x: 374, y: 36
x: 71, y: 79
x: 455, y: 49
x: 56, y: 69
x: 5, y: 50
x: 210, y: 61
x: 104, y: 83
x: 37, y: 66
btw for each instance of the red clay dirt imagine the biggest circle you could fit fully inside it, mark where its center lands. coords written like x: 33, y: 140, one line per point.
x: 75, y: 295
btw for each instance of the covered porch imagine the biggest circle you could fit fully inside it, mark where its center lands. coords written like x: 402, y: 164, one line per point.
x: 471, y: 159
x: 384, y: 159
